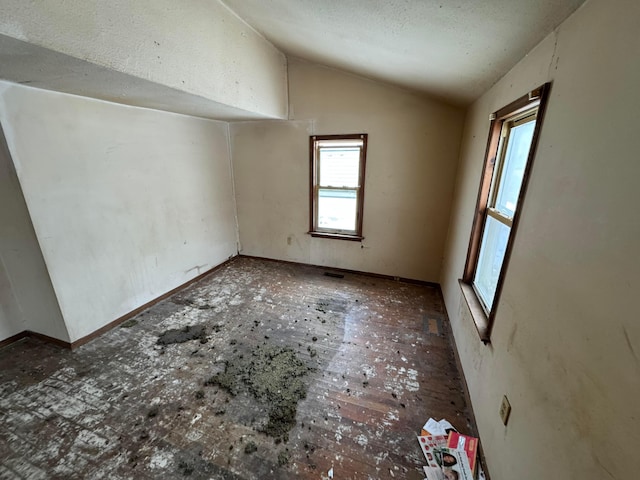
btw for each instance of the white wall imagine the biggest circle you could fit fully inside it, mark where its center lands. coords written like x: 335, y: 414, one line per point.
x: 411, y: 161
x: 199, y: 47
x: 11, y: 319
x: 127, y: 203
x: 566, y: 341
x: 27, y: 300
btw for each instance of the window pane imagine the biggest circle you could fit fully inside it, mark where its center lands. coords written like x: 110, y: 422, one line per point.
x: 339, y: 166
x: 515, y: 161
x: 494, y: 244
x: 337, y: 209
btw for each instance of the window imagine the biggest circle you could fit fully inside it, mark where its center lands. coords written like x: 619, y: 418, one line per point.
x: 337, y: 185
x: 510, y: 151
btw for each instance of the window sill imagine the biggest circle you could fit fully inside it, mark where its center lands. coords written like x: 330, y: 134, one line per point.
x: 337, y: 236
x: 478, y: 314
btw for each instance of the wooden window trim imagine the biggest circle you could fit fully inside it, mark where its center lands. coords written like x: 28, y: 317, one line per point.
x: 539, y: 96
x: 357, y: 236
x: 339, y: 236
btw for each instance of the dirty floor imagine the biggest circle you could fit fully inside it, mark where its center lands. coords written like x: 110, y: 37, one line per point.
x: 261, y: 370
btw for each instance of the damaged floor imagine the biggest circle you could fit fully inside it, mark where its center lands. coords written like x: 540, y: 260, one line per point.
x: 260, y: 370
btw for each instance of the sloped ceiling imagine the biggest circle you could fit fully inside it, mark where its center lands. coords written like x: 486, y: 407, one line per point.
x: 195, y: 57
x: 451, y: 49
x: 205, y: 58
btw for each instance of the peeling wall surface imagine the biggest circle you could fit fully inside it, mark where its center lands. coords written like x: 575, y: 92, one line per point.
x: 566, y: 341
x: 199, y: 48
x: 27, y: 299
x: 411, y: 161
x: 127, y: 203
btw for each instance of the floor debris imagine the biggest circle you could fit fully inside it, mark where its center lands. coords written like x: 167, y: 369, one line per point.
x: 182, y: 335
x: 449, y: 454
x: 275, y: 377
x: 85, y: 414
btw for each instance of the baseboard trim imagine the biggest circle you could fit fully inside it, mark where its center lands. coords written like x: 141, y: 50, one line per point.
x: 465, y: 388
x: 122, y: 319
x: 116, y: 322
x: 142, y: 308
x: 424, y: 283
x: 29, y: 334
x: 48, y: 339
x: 14, y: 338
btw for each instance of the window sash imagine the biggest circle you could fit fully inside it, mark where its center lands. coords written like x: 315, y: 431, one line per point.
x: 335, y: 143
x: 502, y: 162
x: 501, y: 217
x: 334, y: 148
x: 491, y: 253
x: 490, y: 209
x: 490, y: 260
x: 344, y: 231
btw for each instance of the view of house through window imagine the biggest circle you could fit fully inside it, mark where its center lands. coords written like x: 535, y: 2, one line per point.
x: 337, y: 173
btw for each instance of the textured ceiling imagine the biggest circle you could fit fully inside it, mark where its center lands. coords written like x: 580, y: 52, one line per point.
x: 452, y: 49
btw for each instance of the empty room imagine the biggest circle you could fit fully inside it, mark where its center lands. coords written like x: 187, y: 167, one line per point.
x: 249, y: 239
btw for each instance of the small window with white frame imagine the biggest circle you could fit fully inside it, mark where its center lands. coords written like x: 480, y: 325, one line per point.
x: 337, y: 185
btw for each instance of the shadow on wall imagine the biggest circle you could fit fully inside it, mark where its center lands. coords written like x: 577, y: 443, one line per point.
x: 27, y: 298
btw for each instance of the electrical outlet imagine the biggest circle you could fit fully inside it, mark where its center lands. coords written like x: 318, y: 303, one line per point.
x: 505, y: 409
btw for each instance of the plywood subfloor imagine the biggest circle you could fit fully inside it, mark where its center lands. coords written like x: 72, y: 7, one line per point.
x: 123, y: 406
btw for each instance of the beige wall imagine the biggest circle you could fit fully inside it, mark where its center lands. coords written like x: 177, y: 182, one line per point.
x: 566, y: 342
x: 126, y: 203
x: 199, y: 47
x: 27, y: 299
x: 12, y: 217
x: 411, y: 163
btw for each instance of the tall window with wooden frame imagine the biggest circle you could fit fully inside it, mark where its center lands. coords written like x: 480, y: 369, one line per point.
x: 337, y: 185
x: 510, y: 151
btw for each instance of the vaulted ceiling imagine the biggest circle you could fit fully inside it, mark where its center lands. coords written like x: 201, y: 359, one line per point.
x: 452, y: 49
x: 225, y: 59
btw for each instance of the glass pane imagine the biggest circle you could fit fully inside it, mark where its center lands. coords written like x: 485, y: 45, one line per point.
x: 339, y: 166
x: 337, y: 209
x: 494, y: 244
x: 515, y: 161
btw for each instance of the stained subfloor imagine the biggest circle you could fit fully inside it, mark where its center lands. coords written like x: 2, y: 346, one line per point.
x: 294, y: 373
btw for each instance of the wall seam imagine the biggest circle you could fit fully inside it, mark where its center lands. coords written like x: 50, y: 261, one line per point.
x: 233, y: 188
x: 22, y: 320
x: 288, y: 88
x: 14, y: 160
